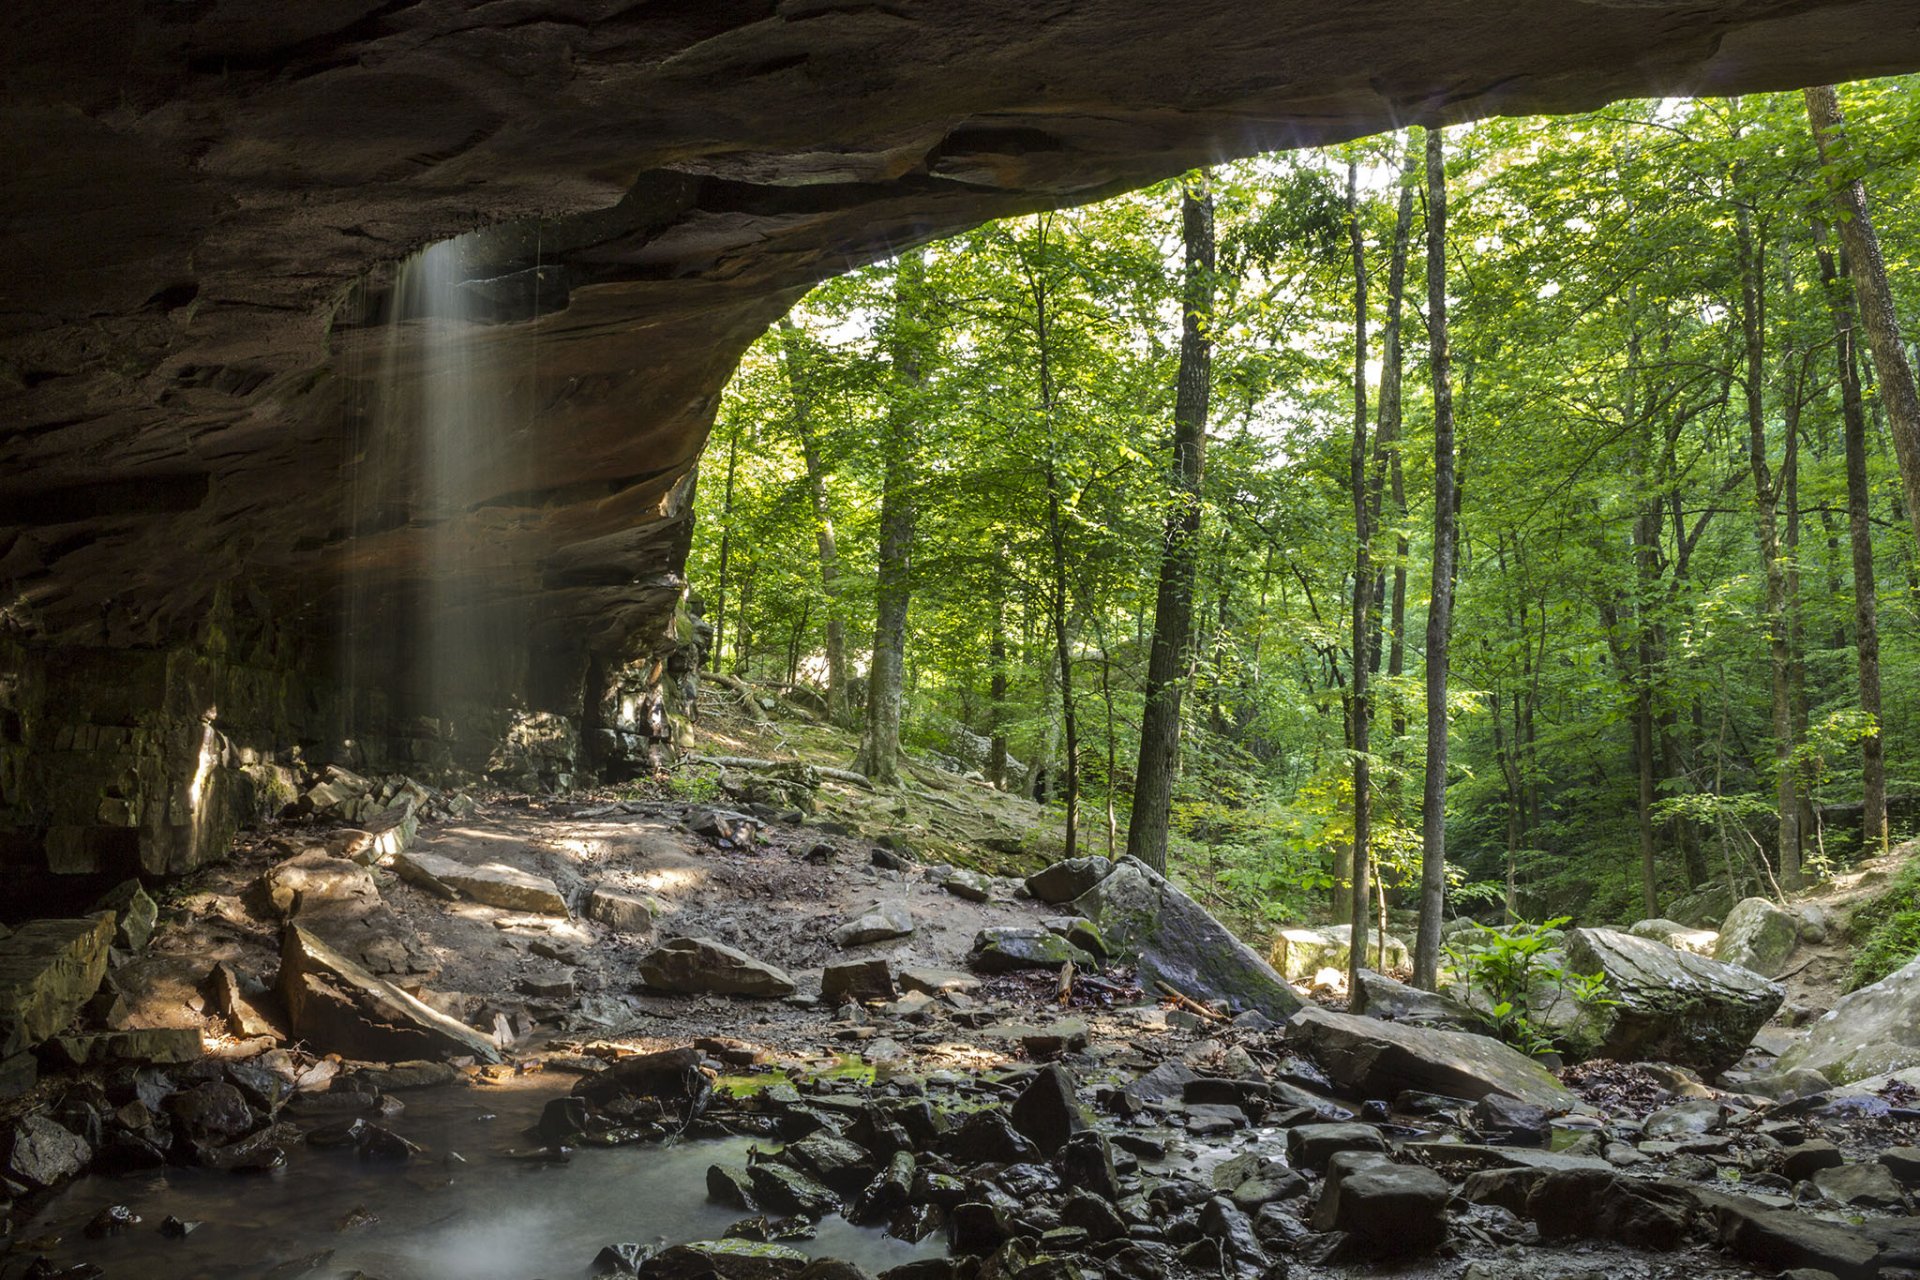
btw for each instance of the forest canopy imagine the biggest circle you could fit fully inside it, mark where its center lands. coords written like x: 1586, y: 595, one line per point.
x: 1668, y: 575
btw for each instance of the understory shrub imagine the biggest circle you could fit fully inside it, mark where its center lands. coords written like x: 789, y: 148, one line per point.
x: 1886, y: 931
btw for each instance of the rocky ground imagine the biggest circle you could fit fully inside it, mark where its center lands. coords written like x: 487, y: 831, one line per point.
x: 1076, y: 1073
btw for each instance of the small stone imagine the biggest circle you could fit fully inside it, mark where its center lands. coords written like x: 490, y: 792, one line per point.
x: 178, y: 1228
x: 882, y: 922
x: 1047, y: 1110
x: 970, y: 885
x: 857, y: 980
x: 1311, y: 1146
x: 1802, y: 1162
x: 115, y: 1219
x: 1069, y: 1035
x: 622, y: 912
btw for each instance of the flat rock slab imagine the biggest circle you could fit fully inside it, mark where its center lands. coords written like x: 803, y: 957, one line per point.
x: 704, y: 966
x: 882, y: 922
x: 159, y: 1044
x: 1668, y: 1005
x: 341, y: 1008
x: 1871, y: 1032
x: 1173, y: 939
x: 936, y: 982
x: 48, y: 969
x: 494, y: 884
x: 1382, y: 1059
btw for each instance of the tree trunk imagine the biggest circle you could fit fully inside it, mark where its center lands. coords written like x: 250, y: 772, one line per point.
x: 1433, y: 805
x: 726, y: 548
x: 1869, y: 273
x: 1392, y: 374
x: 997, y: 657
x: 1866, y: 624
x: 801, y: 399
x: 879, y: 756
x: 1767, y: 499
x: 1169, y: 658
x: 1362, y: 713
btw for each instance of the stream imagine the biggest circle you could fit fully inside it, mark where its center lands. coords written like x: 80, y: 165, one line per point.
x: 481, y: 1216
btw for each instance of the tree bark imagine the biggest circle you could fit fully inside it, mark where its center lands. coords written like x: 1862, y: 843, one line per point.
x: 1868, y: 270
x: 802, y: 402
x: 1766, y: 492
x: 1361, y: 713
x: 1866, y: 623
x: 1168, y: 660
x: 879, y: 756
x: 997, y: 688
x: 1433, y: 806
x: 1392, y: 375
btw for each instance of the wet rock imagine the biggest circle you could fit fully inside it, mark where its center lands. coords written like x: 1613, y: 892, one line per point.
x: 1386, y: 1209
x: 623, y: 912
x: 1225, y: 1224
x: 1383, y: 1059
x: 134, y: 914
x: 178, y: 1228
x: 1086, y: 1164
x: 211, y: 1112
x: 1068, y: 879
x: 888, y: 1193
x: 1510, y: 1120
x: 1672, y: 933
x: 1870, y: 1032
x: 494, y: 884
x: 1048, y: 1112
x: 787, y: 1190
x: 1592, y: 1204
x: 857, y: 980
x: 334, y: 1003
x: 882, y: 922
x: 976, y: 1229
x: 114, y: 1220
x: 41, y: 1153
x: 1004, y: 950
x: 725, y: 1259
x: 1312, y: 1146
x: 1669, y: 1006
x: 48, y: 970
x: 1866, y: 1186
x: 1167, y: 1081
x: 729, y: 1187
x: 1173, y: 939
x: 986, y: 1137
x: 1758, y: 935
x: 703, y: 966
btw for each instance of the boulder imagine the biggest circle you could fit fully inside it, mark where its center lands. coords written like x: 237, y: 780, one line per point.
x: 1590, y: 1203
x: 1379, y: 996
x: 882, y: 922
x: 703, y: 966
x: 1068, y: 879
x: 494, y: 884
x: 1047, y: 1112
x: 857, y: 980
x: 1300, y: 952
x: 1171, y: 938
x: 1700, y: 942
x: 724, y: 1260
x: 1386, y: 1209
x: 48, y: 970
x: 1378, y: 1059
x: 1003, y: 950
x: 341, y: 1008
x: 309, y: 880
x: 134, y: 913
x: 622, y: 912
x: 1871, y: 1032
x: 970, y: 885
x: 41, y: 1153
x: 1667, y: 1005
x: 1758, y: 935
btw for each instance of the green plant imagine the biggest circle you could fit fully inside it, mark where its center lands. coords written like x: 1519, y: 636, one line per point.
x: 1510, y: 968
x: 1886, y: 930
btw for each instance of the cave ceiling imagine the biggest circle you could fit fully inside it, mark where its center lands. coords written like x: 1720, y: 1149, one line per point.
x: 203, y: 204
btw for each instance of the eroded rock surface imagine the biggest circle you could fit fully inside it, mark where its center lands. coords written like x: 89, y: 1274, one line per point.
x: 1668, y: 1005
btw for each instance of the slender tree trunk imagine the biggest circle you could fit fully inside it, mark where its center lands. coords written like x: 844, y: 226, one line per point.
x: 1362, y: 713
x: 726, y: 547
x: 1169, y: 658
x: 1392, y: 375
x: 1767, y: 498
x: 879, y: 756
x: 801, y: 399
x: 1433, y: 808
x: 1866, y: 623
x: 997, y: 656
x: 1869, y: 273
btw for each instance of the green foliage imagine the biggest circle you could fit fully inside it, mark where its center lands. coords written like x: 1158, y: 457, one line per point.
x: 1886, y: 931
x: 1508, y: 968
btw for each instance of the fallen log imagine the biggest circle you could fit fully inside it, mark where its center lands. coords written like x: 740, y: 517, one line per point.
x: 752, y: 762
